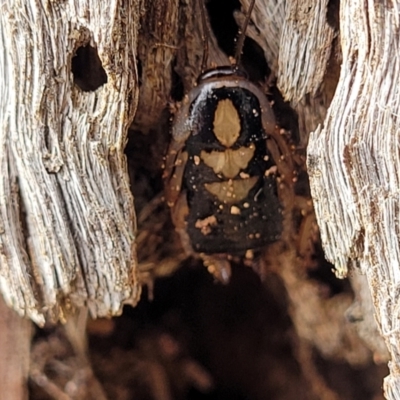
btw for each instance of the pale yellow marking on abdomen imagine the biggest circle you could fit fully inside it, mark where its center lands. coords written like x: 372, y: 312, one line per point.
x: 228, y: 162
x: 231, y: 191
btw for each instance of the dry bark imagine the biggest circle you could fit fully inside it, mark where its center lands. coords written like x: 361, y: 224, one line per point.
x: 303, y: 58
x: 307, y: 55
x: 300, y: 46
x: 353, y: 162
x: 67, y: 223
x: 156, y: 52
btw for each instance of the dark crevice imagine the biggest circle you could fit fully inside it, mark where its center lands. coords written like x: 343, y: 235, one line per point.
x: 177, y: 89
x: 285, y: 116
x: 219, y: 325
x: 253, y: 61
x: 332, y: 14
x: 87, y: 69
x: 139, y: 71
x: 223, y: 23
x: 323, y: 273
x: 226, y: 30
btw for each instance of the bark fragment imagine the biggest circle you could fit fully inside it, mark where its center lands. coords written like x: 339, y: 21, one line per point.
x: 67, y: 223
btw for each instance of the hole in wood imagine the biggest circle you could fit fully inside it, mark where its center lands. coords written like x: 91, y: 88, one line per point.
x: 88, y: 72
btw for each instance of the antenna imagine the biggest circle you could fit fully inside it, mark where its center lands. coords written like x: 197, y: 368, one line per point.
x: 205, y: 35
x: 240, y: 42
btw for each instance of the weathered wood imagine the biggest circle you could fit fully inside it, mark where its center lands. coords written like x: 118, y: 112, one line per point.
x: 15, y: 341
x: 353, y: 162
x: 67, y: 223
x: 305, y: 48
x: 157, y: 47
x: 298, y: 42
x: 299, y: 45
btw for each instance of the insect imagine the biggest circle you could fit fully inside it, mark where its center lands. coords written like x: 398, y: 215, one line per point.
x: 224, y: 167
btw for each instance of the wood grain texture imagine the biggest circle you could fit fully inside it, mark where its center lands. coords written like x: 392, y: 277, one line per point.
x: 157, y: 48
x: 304, y: 43
x: 299, y: 44
x: 67, y: 222
x: 303, y: 58
x: 353, y: 162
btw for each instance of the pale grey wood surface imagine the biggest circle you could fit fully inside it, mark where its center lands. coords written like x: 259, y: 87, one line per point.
x: 353, y: 162
x: 67, y: 223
